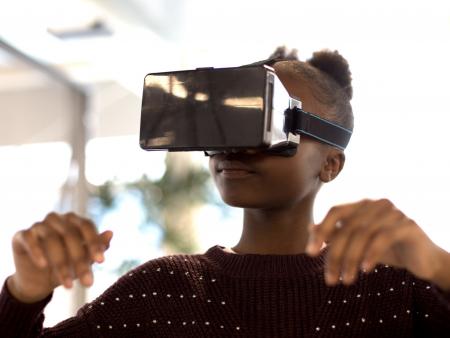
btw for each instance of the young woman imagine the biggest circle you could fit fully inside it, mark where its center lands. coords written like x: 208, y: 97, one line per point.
x: 379, y: 274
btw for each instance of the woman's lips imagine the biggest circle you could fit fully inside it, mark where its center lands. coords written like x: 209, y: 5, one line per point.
x: 234, y: 169
x: 235, y: 173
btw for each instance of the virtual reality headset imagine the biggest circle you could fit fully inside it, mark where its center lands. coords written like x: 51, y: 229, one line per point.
x: 228, y: 110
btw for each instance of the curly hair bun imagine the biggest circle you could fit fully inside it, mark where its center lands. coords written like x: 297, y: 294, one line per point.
x: 336, y: 66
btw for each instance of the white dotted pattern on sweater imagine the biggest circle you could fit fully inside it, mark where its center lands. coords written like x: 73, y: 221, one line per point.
x: 223, y: 302
x: 168, y: 295
x: 380, y: 320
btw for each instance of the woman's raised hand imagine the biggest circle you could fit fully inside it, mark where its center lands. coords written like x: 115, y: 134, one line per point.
x: 54, y: 252
x: 363, y: 234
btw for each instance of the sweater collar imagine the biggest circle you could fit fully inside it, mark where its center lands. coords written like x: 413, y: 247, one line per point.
x: 253, y: 265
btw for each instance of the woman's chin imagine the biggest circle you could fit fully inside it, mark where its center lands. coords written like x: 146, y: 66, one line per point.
x: 239, y: 202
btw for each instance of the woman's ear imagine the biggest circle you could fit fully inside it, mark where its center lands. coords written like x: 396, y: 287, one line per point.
x: 332, y: 166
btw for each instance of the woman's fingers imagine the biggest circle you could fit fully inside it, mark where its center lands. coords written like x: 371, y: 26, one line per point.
x: 386, y: 240
x: 337, y: 258
x: 349, y: 244
x: 66, y: 245
x: 105, y: 239
x: 332, y: 223
x: 28, y: 242
x: 354, y: 257
x: 55, y: 252
x: 76, y: 247
x: 89, y: 234
x: 360, y: 236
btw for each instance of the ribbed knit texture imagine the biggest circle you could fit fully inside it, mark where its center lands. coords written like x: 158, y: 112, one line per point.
x: 220, y: 294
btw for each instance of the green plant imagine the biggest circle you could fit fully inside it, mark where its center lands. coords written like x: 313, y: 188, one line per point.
x: 168, y: 202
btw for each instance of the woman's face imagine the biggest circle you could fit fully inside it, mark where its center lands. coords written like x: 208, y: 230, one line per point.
x: 258, y: 180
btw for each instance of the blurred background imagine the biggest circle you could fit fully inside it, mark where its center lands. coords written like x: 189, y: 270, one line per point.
x: 71, y: 75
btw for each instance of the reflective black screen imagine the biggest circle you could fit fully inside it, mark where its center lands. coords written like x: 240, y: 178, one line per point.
x: 203, y: 109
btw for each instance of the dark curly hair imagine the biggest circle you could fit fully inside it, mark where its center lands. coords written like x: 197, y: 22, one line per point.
x: 329, y: 76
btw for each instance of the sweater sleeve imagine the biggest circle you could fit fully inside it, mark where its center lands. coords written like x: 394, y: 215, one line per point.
x: 431, y: 310
x: 125, y: 309
x: 19, y: 319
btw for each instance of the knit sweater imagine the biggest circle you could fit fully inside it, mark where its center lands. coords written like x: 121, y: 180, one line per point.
x: 221, y: 294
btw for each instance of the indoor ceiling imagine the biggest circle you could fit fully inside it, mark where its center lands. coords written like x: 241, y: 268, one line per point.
x: 85, y: 41
x: 90, y: 41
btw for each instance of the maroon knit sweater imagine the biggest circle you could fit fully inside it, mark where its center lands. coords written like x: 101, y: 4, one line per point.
x: 220, y: 294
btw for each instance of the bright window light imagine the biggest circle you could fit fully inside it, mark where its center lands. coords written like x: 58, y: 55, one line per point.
x: 121, y: 159
x: 31, y: 177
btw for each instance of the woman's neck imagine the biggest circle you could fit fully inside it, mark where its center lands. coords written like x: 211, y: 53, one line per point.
x: 276, y: 231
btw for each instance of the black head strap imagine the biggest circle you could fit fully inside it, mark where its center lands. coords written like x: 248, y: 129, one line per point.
x: 298, y: 121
